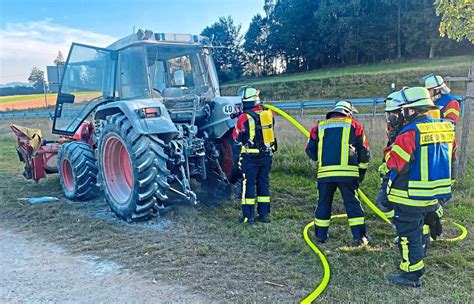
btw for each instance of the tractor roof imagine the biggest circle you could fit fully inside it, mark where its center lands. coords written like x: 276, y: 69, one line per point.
x: 148, y: 37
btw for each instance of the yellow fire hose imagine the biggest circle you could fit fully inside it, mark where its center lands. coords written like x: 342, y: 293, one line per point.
x: 327, y: 271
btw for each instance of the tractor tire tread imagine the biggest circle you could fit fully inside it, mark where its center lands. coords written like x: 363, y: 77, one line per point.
x: 83, y: 164
x: 149, y: 166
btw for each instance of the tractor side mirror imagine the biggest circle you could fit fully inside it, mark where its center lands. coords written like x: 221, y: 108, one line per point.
x: 178, y: 78
x: 65, y: 98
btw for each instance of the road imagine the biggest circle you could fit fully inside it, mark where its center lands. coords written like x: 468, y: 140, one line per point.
x: 35, y: 271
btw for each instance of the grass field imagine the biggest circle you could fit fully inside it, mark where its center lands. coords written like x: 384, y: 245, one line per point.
x: 205, y: 248
x: 353, y: 82
x: 24, y: 97
x: 363, y: 69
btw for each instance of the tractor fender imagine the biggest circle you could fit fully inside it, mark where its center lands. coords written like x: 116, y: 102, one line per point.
x: 220, y: 121
x: 161, y: 124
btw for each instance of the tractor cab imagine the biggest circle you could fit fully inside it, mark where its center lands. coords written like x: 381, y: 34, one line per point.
x: 176, y: 70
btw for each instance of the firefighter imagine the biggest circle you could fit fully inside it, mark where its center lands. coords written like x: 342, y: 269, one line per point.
x: 395, y: 123
x: 341, y: 148
x: 440, y: 93
x: 449, y: 108
x: 254, y: 131
x: 394, y: 119
x: 420, y: 164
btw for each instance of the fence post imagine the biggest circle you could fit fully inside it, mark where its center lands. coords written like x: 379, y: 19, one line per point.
x: 466, y: 122
x: 302, y: 109
x: 374, y: 107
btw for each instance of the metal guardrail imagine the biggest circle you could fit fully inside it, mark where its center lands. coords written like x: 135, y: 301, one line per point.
x: 26, y: 114
x: 372, y: 102
x: 284, y: 105
x: 302, y: 105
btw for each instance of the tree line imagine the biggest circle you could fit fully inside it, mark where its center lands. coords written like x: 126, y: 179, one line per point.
x: 301, y: 35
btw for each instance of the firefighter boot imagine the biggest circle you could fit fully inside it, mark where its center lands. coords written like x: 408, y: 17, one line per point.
x: 364, y: 240
x: 264, y: 218
x: 263, y: 210
x: 403, y: 279
x: 321, y: 237
x: 244, y: 219
x: 247, y: 214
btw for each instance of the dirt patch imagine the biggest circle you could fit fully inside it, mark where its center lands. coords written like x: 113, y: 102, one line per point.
x: 34, y: 270
x: 27, y: 104
x: 39, y: 102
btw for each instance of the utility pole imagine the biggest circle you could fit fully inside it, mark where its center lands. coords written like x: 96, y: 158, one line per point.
x: 399, y: 46
x: 466, y: 119
x: 44, y: 91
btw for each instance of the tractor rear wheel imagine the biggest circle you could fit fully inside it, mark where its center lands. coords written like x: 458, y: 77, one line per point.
x: 229, y: 157
x: 78, y: 171
x: 132, y: 169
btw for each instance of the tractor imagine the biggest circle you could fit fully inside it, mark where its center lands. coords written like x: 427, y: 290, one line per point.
x: 137, y: 121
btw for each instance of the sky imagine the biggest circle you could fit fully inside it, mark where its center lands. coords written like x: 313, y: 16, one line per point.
x: 33, y: 31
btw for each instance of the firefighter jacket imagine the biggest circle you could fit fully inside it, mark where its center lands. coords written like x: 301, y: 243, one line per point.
x: 420, y: 161
x: 341, y: 148
x: 249, y: 132
x: 449, y: 107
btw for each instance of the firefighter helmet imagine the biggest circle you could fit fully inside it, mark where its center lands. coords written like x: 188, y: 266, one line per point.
x: 249, y: 96
x: 417, y: 98
x: 344, y: 107
x: 435, y: 82
x: 393, y: 102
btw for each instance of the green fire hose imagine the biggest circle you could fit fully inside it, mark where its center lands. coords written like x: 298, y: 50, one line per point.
x: 327, y: 270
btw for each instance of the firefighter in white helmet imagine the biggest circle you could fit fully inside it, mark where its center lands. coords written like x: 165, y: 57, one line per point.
x: 440, y: 93
x: 340, y: 147
x: 395, y: 122
x: 254, y: 131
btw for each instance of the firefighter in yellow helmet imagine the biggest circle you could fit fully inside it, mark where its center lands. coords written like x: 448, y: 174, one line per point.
x: 254, y: 131
x: 420, y: 163
x: 340, y: 147
x: 440, y: 93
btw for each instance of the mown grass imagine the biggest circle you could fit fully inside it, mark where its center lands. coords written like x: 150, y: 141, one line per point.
x: 207, y: 249
x: 353, y: 82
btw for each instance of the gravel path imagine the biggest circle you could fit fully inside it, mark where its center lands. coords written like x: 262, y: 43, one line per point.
x: 35, y: 271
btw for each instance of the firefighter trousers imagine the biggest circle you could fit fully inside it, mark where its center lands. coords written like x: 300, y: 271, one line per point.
x: 255, y: 170
x: 386, y: 207
x: 413, y: 242
x: 355, y: 213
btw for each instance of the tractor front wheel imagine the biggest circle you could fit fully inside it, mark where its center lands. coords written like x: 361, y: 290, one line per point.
x: 78, y: 171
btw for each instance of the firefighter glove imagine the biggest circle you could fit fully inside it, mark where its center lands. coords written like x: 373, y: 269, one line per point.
x: 433, y: 220
x: 383, y: 170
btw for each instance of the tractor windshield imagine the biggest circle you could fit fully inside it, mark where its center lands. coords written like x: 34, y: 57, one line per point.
x: 177, y: 70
